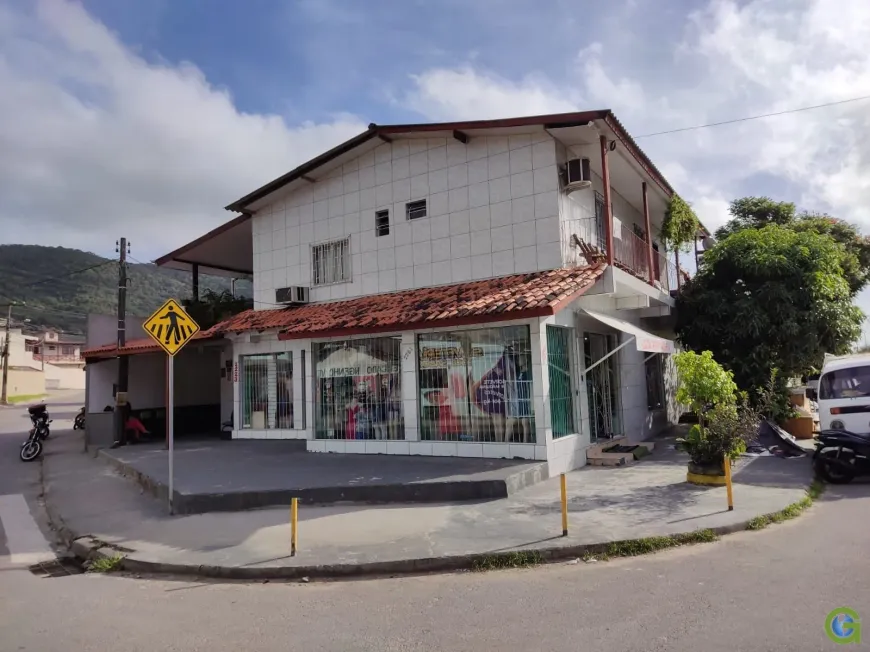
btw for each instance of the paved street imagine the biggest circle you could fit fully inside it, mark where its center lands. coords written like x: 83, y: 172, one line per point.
x: 766, y: 590
x: 23, y: 532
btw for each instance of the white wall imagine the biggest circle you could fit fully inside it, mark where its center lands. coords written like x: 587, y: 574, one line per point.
x: 64, y: 377
x: 100, y: 377
x: 19, y: 356
x: 492, y: 211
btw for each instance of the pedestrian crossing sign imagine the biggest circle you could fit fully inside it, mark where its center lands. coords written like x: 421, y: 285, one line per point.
x: 171, y: 327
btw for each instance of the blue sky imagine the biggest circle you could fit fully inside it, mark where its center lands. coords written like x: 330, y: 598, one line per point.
x: 144, y: 119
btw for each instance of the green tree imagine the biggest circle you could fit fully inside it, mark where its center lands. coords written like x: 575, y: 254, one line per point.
x: 770, y: 298
x: 703, y: 383
x: 758, y: 212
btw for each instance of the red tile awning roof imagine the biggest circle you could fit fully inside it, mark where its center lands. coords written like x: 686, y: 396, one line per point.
x: 509, y: 297
x: 519, y: 296
x: 133, y: 347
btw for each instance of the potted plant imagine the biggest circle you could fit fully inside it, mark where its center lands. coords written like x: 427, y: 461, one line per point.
x: 723, y: 421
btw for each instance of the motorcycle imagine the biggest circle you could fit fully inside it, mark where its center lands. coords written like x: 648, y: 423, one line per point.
x: 841, y: 456
x: 39, y: 418
x: 79, y: 422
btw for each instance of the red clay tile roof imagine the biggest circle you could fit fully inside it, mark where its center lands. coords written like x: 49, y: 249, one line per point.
x: 498, y: 299
x: 133, y: 347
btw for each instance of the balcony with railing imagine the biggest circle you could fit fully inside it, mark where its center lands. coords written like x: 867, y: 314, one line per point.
x: 630, y: 250
x: 53, y: 357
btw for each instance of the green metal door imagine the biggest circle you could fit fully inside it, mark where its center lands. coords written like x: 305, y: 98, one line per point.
x: 559, y: 366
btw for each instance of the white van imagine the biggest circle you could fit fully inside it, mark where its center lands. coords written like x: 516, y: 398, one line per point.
x: 844, y: 393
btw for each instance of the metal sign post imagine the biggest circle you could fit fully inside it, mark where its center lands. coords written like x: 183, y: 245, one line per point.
x: 170, y: 429
x: 171, y: 327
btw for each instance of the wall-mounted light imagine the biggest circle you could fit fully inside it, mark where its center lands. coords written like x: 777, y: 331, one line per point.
x: 612, y: 145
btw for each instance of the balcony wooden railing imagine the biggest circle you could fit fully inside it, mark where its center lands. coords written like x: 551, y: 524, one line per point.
x: 629, y: 252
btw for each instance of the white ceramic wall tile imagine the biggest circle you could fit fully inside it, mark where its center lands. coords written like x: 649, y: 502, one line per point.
x: 481, y: 266
x: 460, y: 270
x: 504, y: 190
x: 440, y: 250
x: 352, y: 446
x: 500, y: 190
x: 439, y: 226
x: 398, y: 448
x: 501, y: 214
x: 479, y: 218
x: 420, y: 448
x: 502, y: 238
x: 422, y: 252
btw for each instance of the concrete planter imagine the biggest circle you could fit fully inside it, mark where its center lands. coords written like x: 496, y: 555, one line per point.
x: 706, y: 474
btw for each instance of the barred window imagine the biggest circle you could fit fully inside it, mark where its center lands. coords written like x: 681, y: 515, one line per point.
x: 266, y: 391
x: 382, y: 223
x: 330, y: 262
x: 476, y: 385
x: 415, y: 209
x: 358, y: 389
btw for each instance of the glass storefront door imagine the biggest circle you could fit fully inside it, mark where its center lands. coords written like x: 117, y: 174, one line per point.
x: 602, y: 386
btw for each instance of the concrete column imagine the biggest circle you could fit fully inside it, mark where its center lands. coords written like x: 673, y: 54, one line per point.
x: 410, y: 392
x: 272, y: 392
x: 608, y: 207
x: 300, y: 361
x: 648, y: 227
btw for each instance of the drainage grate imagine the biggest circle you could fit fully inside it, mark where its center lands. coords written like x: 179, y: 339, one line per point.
x: 618, y: 448
x: 56, y: 568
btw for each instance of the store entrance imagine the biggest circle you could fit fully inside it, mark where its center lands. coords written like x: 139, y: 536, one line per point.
x: 602, y: 385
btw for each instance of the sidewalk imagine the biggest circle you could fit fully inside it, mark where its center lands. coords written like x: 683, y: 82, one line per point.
x: 605, y: 504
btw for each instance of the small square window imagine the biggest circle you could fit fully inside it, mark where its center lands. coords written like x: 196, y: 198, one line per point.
x: 382, y: 223
x: 415, y: 209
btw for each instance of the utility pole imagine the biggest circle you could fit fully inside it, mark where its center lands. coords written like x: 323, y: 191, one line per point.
x: 123, y: 360
x: 3, y: 400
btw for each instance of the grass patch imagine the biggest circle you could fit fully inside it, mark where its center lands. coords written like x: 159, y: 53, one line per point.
x: 794, y: 510
x: 105, y: 564
x: 517, y: 559
x: 25, y: 398
x: 646, y: 545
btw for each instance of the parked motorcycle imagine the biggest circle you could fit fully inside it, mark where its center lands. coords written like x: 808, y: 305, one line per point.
x: 39, y: 418
x: 79, y: 423
x: 841, y: 456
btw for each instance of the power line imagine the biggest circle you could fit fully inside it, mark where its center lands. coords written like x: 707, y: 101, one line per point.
x: 755, y: 117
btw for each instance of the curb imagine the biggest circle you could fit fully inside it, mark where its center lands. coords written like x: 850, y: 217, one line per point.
x: 87, y: 548
x: 387, y: 494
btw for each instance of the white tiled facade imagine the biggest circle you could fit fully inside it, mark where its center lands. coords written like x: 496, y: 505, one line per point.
x: 495, y: 206
x: 492, y: 210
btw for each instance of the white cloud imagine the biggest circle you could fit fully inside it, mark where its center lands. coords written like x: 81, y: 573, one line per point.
x: 467, y: 94
x: 96, y: 143
x: 735, y: 60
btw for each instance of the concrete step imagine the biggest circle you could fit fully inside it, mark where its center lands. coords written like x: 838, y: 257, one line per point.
x: 596, y: 455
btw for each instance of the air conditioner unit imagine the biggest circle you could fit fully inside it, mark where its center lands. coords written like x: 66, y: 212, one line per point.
x: 578, y: 174
x: 295, y: 294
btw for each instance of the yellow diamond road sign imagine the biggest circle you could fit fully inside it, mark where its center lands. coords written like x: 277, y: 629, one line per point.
x: 171, y: 327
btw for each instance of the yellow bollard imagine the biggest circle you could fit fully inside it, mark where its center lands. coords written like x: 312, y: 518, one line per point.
x: 728, y: 484
x: 564, y: 487
x: 294, y: 525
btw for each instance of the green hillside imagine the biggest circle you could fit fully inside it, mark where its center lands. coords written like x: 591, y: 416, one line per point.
x: 58, y: 295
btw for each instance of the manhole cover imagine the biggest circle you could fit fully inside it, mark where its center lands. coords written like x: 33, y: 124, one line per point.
x: 56, y: 568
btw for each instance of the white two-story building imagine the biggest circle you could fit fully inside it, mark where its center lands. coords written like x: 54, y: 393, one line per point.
x: 485, y: 289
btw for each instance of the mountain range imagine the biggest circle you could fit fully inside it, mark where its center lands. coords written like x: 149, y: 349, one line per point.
x: 59, y: 287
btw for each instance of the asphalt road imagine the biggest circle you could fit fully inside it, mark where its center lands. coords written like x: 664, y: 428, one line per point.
x: 768, y: 590
x: 22, y: 522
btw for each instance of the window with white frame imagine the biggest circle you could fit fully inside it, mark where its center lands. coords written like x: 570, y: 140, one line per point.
x: 330, y: 262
